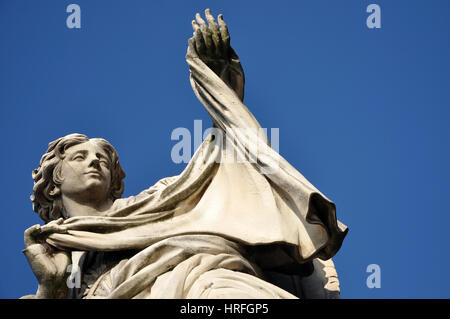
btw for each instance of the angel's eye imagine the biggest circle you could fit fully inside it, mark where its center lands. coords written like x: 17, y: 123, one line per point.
x: 78, y: 157
x: 104, y: 162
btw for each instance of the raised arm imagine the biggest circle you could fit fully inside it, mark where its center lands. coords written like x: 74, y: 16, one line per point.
x: 217, y: 76
x: 212, y: 45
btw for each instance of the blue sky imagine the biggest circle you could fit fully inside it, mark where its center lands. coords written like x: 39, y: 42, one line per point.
x: 363, y: 114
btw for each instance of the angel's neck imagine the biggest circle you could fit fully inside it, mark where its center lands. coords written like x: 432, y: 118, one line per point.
x: 75, y: 208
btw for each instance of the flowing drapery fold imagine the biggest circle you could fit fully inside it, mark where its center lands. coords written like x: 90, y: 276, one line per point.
x: 261, y: 202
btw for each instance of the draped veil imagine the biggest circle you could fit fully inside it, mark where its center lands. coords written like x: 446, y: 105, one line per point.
x: 258, y: 203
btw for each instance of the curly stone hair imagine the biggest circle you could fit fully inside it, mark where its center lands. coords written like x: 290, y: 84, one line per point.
x: 47, y: 177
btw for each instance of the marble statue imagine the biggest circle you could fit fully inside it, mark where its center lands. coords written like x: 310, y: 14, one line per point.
x: 220, y: 229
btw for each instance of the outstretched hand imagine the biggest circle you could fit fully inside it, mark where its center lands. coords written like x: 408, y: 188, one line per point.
x: 212, y: 41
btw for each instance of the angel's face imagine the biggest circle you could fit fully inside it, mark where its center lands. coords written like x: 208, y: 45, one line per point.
x: 85, y: 172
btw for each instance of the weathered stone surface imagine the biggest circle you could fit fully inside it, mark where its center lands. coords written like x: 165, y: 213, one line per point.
x: 220, y: 229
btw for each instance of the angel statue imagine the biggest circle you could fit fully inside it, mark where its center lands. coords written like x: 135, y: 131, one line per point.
x: 220, y: 229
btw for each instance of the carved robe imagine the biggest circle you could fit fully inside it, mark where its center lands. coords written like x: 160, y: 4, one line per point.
x: 213, y: 230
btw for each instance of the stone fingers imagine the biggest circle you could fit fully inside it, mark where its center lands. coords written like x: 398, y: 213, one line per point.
x: 224, y: 31
x: 207, y: 37
x: 215, y: 33
x: 53, y: 228
x: 198, y: 38
x: 30, y: 235
x: 33, y: 235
